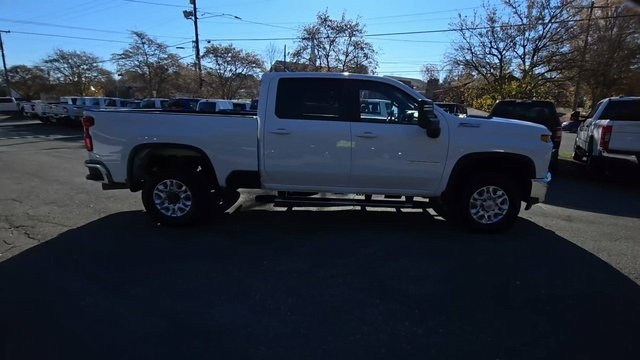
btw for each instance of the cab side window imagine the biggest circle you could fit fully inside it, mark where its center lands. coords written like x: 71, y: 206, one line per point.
x: 384, y: 103
x: 311, y: 99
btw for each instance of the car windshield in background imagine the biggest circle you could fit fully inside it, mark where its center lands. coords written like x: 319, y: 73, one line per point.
x: 91, y: 102
x: 207, y: 106
x: 148, y: 104
x: 452, y: 108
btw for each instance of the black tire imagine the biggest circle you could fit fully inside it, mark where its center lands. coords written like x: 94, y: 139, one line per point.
x: 496, y: 213
x: 175, y: 199
x: 576, y: 156
x: 578, y: 152
x: 595, y: 164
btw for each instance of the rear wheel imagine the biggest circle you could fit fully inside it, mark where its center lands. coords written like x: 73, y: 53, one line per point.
x: 173, y: 199
x: 490, y: 203
x: 176, y: 198
x: 578, y: 152
x: 576, y: 156
x: 595, y: 164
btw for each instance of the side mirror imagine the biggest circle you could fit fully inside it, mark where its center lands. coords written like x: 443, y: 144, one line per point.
x: 427, y: 118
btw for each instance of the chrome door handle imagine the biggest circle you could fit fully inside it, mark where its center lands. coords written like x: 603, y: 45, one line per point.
x: 280, y: 131
x: 367, y: 135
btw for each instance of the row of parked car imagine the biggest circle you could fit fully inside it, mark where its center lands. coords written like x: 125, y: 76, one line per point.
x: 71, y: 108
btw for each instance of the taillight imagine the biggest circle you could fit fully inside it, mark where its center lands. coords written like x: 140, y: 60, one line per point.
x: 605, y: 137
x: 87, y: 122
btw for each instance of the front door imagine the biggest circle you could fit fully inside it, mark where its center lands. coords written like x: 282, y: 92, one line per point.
x: 392, y: 154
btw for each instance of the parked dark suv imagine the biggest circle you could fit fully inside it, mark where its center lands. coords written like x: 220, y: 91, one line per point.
x: 541, y: 112
x: 453, y: 108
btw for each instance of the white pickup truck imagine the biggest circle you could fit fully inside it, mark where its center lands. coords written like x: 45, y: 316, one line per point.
x: 310, y: 137
x: 611, y: 129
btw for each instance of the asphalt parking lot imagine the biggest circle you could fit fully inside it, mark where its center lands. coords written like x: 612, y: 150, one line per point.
x: 84, y: 273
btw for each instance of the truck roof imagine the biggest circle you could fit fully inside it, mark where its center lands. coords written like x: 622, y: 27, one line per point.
x: 334, y: 75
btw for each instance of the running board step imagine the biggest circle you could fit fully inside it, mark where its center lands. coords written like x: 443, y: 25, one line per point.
x: 299, y: 201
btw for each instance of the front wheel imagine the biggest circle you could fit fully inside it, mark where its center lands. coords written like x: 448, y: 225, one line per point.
x: 490, y: 203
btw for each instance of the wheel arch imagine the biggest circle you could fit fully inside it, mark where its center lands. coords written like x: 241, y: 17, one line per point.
x: 145, y: 158
x: 520, y: 166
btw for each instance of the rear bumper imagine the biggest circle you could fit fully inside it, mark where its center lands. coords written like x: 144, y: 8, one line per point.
x: 538, y: 191
x: 99, y: 172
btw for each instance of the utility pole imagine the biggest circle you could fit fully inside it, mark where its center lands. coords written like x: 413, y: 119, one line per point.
x: 583, y: 56
x: 193, y: 15
x: 285, y: 59
x: 198, y: 61
x: 4, y: 63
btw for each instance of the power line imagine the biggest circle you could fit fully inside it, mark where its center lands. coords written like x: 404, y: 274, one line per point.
x: 158, y: 4
x: 506, y: 26
x: 60, y: 26
x: 80, y: 28
x: 70, y: 37
x: 291, y: 38
x: 423, y: 13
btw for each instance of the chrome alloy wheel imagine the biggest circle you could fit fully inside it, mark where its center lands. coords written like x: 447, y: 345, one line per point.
x: 488, y: 205
x: 172, y: 198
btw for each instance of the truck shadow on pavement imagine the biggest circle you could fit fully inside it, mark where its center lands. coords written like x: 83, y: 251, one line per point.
x: 313, y: 285
x: 616, y: 192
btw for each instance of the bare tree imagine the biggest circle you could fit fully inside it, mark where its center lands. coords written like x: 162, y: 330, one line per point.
x: 431, y: 75
x: 29, y: 81
x: 271, y: 54
x: 148, y: 63
x: 612, y: 65
x: 520, y: 49
x: 77, y: 72
x: 335, y: 45
x: 229, y: 70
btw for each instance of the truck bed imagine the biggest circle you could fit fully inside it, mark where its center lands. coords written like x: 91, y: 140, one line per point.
x: 230, y: 141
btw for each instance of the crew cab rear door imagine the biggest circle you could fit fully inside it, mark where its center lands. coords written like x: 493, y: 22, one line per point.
x: 306, y: 137
x: 393, y: 154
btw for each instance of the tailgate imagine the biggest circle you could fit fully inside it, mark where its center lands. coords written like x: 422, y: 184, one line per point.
x: 625, y: 136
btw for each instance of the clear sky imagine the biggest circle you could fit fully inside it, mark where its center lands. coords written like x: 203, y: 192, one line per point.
x: 39, y: 26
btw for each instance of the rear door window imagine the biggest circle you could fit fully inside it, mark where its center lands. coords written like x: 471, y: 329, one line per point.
x: 311, y: 99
